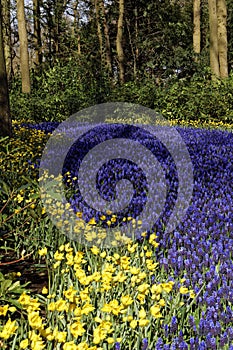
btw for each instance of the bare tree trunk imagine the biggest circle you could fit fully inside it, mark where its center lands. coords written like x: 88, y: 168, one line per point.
x: 5, y: 117
x: 132, y: 50
x: 136, y: 43
x: 213, y: 24
x: 58, y: 13
x: 222, y: 37
x: 119, y: 45
x: 106, y: 37
x: 99, y: 32
x: 6, y: 30
x: 76, y: 26
x: 197, y: 26
x: 24, y: 57
x: 37, y: 32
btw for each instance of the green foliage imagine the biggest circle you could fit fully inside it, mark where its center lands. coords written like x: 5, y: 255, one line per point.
x: 198, y: 101
x: 67, y: 88
x: 59, y: 91
x: 10, y: 289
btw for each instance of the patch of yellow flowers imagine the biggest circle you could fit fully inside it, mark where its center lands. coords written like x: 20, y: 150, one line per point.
x: 95, y: 299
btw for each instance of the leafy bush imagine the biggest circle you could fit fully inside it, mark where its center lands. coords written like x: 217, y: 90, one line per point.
x: 59, y: 92
x: 67, y: 88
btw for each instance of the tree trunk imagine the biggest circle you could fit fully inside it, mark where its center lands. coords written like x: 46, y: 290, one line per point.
x: 119, y: 45
x: 58, y: 13
x: 37, y: 32
x: 106, y: 37
x: 222, y: 37
x: 6, y: 30
x: 197, y: 26
x: 77, y: 26
x: 213, y: 25
x: 5, y: 117
x: 99, y: 32
x: 24, y: 57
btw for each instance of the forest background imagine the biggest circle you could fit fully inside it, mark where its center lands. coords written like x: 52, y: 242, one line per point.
x: 60, y: 56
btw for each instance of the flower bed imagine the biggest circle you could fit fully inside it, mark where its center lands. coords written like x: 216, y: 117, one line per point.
x: 169, y: 291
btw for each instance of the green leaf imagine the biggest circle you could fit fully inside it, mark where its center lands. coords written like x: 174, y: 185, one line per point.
x: 5, y: 285
x: 15, y: 285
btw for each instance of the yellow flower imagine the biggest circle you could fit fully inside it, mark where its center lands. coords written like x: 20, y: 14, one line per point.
x: 142, y: 313
x: 151, y: 265
x: 99, y: 335
x: 9, y: 328
x: 133, y: 324
x: 192, y: 294
x: 184, y: 290
x: 82, y: 346
x: 35, y: 320
x: 125, y: 262
x: 87, y: 308
x: 12, y: 309
x: 76, y: 329
x: 58, y: 256
x: 70, y: 259
x: 134, y: 270
x: 84, y: 294
x: 68, y: 249
x: 141, y: 298
x: 70, y: 294
x: 60, y: 337
x: 92, y: 222
x: 61, y: 305
x: 103, y: 254
x: 90, y: 236
x: 144, y: 288
x: 143, y: 322
x: 156, y: 288
x: 28, y: 303
x: 152, y: 238
x: 95, y: 250
x: 43, y: 211
x: 113, y: 307
x: 162, y: 302
x: 43, y: 251
x: 24, y: 344
x: 110, y: 340
x: 47, y: 333
x: 155, y: 311
x: 3, y: 310
x: 70, y: 346
x: 127, y: 318
x: 51, y: 296
x: 58, y: 263
x: 167, y: 287
x: 126, y: 300
x: 120, y: 277
x: 77, y: 312
x: 44, y: 290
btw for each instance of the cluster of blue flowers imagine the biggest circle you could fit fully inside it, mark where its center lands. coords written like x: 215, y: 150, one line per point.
x: 200, y: 248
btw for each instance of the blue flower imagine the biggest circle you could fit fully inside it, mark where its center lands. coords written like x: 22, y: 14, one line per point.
x: 117, y: 346
x: 144, y: 344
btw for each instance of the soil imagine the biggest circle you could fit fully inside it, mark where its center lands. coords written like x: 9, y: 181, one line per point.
x: 31, y: 272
